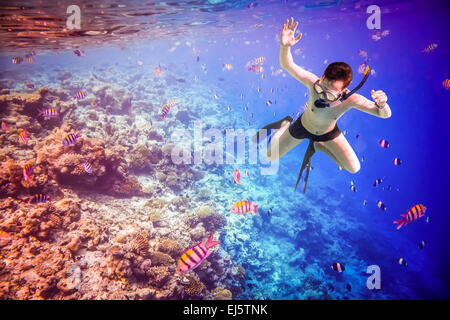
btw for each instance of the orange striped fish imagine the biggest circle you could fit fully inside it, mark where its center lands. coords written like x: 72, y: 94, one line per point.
x: 39, y: 198
x: 71, y: 139
x: 48, y: 113
x: 166, y: 108
x: 416, y: 212
x: 257, y: 61
x: 27, y: 172
x: 244, y: 206
x: 17, y: 60
x: 24, y: 136
x: 80, y: 95
x: 446, y: 84
x: 195, y: 255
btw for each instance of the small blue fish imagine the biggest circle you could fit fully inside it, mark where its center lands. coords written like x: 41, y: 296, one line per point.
x: 322, y: 273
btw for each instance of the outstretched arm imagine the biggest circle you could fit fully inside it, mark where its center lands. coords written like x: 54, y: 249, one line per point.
x: 379, y: 108
x: 287, y: 40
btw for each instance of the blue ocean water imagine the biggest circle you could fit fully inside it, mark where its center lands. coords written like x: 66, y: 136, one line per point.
x: 288, y: 254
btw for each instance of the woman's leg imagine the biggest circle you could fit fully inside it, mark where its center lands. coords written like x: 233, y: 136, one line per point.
x: 281, y: 142
x: 340, y: 151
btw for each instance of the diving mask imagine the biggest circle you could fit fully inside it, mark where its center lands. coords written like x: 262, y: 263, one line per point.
x: 332, y: 97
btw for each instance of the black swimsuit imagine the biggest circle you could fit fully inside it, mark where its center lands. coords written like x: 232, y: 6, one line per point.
x: 298, y: 131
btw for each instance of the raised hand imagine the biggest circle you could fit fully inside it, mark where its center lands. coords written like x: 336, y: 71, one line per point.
x: 379, y: 97
x: 287, y: 37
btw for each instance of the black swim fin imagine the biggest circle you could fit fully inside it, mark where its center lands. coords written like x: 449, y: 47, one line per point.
x: 273, y: 125
x: 306, y: 164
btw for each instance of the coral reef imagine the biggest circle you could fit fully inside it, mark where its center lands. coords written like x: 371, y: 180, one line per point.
x: 37, y: 265
x: 171, y: 247
x: 209, y: 219
x: 115, y: 99
x: 161, y: 259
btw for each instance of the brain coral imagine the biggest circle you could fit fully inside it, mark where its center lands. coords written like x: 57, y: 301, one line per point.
x: 139, y: 243
x: 220, y: 293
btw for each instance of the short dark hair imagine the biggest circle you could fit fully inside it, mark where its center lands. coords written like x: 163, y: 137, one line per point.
x: 339, y: 71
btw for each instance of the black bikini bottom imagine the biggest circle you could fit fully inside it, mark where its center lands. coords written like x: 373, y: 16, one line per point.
x: 298, y: 131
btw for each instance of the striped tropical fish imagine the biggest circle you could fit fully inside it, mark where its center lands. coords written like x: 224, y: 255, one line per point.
x: 166, y: 108
x: 430, y: 48
x: 237, y: 176
x: 30, y: 59
x: 402, y: 262
x: 39, y: 198
x: 27, y: 172
x: 244, y: 206
x: 193, y: 256
x: 71, y: 139
x: 383, y: 143
x: 87, y: 167
x: 259, y: 61
x: 48, y: 113
x: 416, y: 212
x: 227, y: 66
x: 338, y: 267
x: 381, y: 205
x: 24, y: 136
x: 256, y: 68
x: 80, y: 95
x: 377, y: 182
x: 17, y: 60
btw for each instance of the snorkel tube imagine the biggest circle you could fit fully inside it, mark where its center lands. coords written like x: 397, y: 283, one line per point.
x: 366, y: 76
